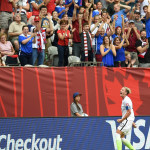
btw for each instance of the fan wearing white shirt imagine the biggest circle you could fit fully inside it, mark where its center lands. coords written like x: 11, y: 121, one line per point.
x: 126, y: 122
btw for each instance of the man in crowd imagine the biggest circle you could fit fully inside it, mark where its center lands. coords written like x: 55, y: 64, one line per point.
x: 118, y: 13
x: 142, y: 46
x: 110, y: 8
x: 133, y: 35
x: 15, y: 29
x: 6, y: 16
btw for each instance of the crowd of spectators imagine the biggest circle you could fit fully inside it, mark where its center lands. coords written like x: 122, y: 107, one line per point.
x: 114, y: 32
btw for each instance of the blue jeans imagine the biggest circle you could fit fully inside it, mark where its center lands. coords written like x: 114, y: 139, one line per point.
x: 63, y: 54
x: 25, y: 58
x: 38, y: 55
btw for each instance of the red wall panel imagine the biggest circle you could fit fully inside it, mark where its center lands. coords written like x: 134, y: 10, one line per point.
x: 43, y: 92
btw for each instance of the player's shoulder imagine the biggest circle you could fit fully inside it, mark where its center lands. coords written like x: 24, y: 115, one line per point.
x: 127, y: 99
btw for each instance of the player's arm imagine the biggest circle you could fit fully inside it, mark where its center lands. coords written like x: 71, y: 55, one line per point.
x: 126, y: 116
x: 134, y: 125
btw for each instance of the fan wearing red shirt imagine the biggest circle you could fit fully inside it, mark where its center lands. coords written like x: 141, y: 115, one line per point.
x: 51, y: 5
x: 6, y: 16
x: 63, y: 39
x: 133, y: 35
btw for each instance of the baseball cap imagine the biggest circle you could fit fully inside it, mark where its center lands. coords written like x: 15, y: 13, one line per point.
x: 37, y: 18
x: 137, y: 12
x: 76, y: 94
x: 131, y: 21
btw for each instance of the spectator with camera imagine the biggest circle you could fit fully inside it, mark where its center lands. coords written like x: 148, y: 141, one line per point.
x: 25, y: 41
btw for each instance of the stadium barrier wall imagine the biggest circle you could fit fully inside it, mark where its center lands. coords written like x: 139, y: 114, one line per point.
x: 88, y: 133
x: 46, y: 92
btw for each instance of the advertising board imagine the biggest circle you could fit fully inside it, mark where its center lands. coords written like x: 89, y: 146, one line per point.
x: 65, y: 133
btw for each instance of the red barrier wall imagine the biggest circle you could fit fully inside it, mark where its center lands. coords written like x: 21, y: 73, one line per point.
x: 31, y: 92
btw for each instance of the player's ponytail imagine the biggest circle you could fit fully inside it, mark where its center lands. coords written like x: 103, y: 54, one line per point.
x: 127, y: 90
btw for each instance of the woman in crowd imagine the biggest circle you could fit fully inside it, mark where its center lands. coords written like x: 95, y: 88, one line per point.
x: 25, y: 41
x: 118, y: 31
x: 108, y: 52
x: 63, y: 39
x: 6, y: 48
x: 119, y: 60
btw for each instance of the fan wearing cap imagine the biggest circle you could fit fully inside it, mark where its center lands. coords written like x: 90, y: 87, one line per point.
x: 76, y: 108
x: 39, y: 45
x: 133, y: 35
x: 136, y: 16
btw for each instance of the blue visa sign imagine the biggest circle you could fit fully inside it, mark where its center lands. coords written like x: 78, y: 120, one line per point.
x: 87, y: 133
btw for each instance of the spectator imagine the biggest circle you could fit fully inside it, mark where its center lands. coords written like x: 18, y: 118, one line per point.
x: 118, y: 13
x: 105, y: 18
x: 23, y: 10
x: 63, y: 38
x: 86, y: 42
x: 71, y: 4
x: 50, y: 4
x: 56, y: 21
x: 147, y: 23
x: 119, y: 60
x: 129, y: 62
x: 132, y: 35
x: 25, y: 41
x: 108, y: 52
x: 48, y: 24
x: 76, y: 37
x: 60, y: 9
x: 98, y: 10
x: 110, y: 8
x: 38, y: 48
x: 6, y: 16
x: 142, y: 4
x: 118, y: 30
x: 15, y: 29
x: 36, y: 4
x: 143, y: 50
x: 94, y: 28
x: 137, y: 20
x: 6, y: 47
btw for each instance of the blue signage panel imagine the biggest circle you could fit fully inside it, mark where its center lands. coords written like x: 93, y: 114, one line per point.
x: 87, y: 133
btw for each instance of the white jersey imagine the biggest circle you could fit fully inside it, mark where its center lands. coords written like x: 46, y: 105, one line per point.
x: 127, y: 104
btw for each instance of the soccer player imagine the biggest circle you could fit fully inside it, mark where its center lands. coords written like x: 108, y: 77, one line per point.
x: 126, y: 122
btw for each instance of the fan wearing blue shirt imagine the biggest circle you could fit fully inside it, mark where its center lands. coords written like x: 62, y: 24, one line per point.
x: 70, y: 4
x: 118, y: 13
x: 25, y: 41
x: 60, y: 9
x: 98, y: 10
x: 147, y: 24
